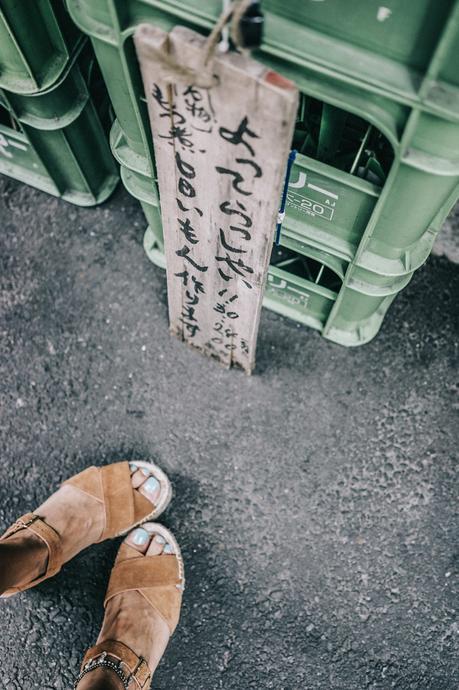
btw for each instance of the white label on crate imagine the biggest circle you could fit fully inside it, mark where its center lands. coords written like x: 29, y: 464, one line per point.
x: 4, y: 143
x: 290, y: 294
x: 324, y: 207
x: 17, y: 145
x: 309, y: 206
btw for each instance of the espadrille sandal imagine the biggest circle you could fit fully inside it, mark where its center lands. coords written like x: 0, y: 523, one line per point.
x: 125, y: 508
x: 160, y: 580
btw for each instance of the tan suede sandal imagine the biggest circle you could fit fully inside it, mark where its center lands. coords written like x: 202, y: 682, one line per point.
x: 160, y: 580
x: 125, y: 508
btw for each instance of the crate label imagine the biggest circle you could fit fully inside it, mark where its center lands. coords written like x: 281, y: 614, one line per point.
x: 313, y: 200
x: 294, y: 296
x: 6, y: 143
x: 220, y: 163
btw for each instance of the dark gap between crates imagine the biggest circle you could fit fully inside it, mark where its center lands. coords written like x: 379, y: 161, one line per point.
x: 346, y: 141
x: 305, y: 267
x: 7, y: 119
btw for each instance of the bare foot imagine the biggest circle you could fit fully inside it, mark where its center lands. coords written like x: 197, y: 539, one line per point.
x: 79, y: 520
x: 130, y: 619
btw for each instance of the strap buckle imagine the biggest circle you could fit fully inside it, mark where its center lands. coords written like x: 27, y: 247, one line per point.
x: 141, y: 673
x: 22, y: 523
x: 101, y: 657
x: 26, y: 523
x: 101, y: 661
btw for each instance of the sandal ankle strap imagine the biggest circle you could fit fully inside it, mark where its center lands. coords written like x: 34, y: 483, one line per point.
x: 120, y: 659
x: 34, y: 523
x: 21, y: 523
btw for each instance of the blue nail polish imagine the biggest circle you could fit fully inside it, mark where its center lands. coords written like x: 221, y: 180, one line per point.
x: 151, y: 485
x: 133, y: 467
x: 145, y: 471
x: 159, y: 539
x: 168, y: 549
x: 140, y: 537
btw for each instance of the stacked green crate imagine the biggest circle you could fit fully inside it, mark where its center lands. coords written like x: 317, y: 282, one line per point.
x: 37, y: 39
x: 54, y: 117
x: 366, y: 196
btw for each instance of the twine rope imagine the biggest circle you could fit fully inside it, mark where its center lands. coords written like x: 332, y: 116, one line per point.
x: 235, y: 11
x: 200, y: 75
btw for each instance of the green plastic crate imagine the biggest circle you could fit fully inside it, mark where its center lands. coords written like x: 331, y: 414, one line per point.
x: 382, y: 228
x: 127, y: 156
x: 65, y: 99
x: 145, y: 191
x: 391, y: 46
x: 409, y: 56
x: 309, y: 298
x: 57, y: 140
x: 349, y: 221
x: 309, y: 288
x: 19, y: 159
x: 400, y: 31
x: 386, y: 229
x: 73, y: 162
x: 141, y: 185
x: 37, y: 38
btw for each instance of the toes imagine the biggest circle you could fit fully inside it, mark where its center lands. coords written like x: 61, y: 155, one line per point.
x: 158, y: 545
x: 147, y: 540
x: 139, y: 476
x: 143, y: 480
x: 151, y: 489
x: 139, y: 539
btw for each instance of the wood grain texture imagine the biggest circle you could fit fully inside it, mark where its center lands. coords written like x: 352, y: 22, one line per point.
x: 221, y: 154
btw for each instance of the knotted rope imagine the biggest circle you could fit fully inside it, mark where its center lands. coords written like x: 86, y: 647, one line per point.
x: 200, y: 75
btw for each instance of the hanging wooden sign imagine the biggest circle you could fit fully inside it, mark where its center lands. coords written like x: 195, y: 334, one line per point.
x: 222, y: 133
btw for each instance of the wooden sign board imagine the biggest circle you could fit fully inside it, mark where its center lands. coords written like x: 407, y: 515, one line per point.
x: 221, y: 155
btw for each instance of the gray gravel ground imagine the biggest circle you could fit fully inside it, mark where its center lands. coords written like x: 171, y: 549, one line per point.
x: 314, y: 501
x: 447, y: 242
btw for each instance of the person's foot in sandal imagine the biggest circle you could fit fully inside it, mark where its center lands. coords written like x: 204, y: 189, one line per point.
x: 142, y: 608
x: 97, y: 504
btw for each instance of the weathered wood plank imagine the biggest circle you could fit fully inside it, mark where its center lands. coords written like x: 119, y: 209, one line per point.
x: 221, y: 154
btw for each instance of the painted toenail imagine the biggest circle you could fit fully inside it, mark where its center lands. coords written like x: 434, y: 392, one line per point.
x: 168, y: 549
x: 133, y: 467
x: 151, y: 485
x: 140, y: 537
x: 160, y: 539
x: 145, y: 471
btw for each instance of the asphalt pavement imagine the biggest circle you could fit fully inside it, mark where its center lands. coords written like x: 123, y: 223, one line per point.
x: 314, y: 501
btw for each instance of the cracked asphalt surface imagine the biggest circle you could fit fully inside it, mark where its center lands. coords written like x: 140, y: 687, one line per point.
x: 314, y: 501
